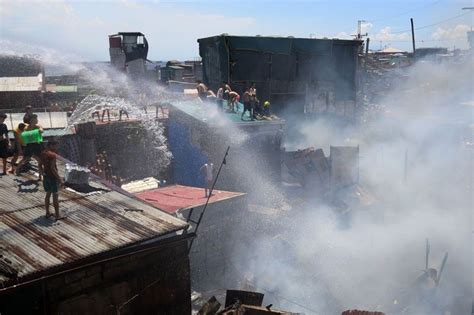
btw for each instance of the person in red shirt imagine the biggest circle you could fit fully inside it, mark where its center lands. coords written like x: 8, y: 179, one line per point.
x: 51, y: 179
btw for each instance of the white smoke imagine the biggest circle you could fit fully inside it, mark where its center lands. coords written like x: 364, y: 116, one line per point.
x: 416, y: 161
x: 110, y: 89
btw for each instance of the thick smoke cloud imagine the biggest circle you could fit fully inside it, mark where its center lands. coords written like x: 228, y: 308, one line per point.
x: 416, y: 164
x: 306, y: 260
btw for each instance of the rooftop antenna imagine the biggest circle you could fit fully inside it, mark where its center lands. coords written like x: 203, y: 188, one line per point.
x: 359, y: 34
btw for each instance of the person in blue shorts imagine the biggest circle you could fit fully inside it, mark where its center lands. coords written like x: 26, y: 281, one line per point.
x: 52, y: 182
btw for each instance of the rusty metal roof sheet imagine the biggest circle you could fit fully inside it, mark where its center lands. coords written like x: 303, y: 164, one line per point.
x: 178, y: 197
x: 93, y: 223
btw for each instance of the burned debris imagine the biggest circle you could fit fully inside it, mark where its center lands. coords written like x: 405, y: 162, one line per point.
x: 239, y: 302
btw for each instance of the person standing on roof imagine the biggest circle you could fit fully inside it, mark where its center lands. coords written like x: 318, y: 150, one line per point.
x: 234, y: 98
x: 208, y: 172
x: 4, y: 142
x: 202, y: 90
x: 28, y: 114
x: 51, y: 179
x: 33, y: 148
x: 255, y: 103
x: 220, y: 96
x: 246, y: 99
x: 19, y: 146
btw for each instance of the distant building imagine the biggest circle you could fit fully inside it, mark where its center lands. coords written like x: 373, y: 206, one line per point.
x: 296, y: 75
x: 179, y: 76
x: 128, y: 52
x: 110, y: 254
x: 427, y: 52
x: 21, y: 82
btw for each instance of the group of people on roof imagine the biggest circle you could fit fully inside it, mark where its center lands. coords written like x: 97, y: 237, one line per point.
x: 28, y: 143
x: 225, y: 96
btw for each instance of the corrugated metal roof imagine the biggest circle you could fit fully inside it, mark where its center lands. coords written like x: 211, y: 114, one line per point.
x: 179, y: 197
x: 93, y: 223
x: 201, y: 112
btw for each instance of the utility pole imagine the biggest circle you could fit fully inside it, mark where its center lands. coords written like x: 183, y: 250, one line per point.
x: 413, y: 36
x: 470, y: 34
x: 470, y: 9
x: 359, y: 34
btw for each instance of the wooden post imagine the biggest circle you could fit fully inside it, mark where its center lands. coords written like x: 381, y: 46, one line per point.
x: 367, y: 46
x: 413, y: 36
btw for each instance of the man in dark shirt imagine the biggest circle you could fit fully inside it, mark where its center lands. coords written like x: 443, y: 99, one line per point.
x: 51, y: 179
x: 28, y: 114
x: 4, y: 141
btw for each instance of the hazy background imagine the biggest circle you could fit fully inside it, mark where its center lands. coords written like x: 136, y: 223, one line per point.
x: 172, y: 27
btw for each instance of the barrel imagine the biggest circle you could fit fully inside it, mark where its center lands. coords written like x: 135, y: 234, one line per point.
x: 31, y: 136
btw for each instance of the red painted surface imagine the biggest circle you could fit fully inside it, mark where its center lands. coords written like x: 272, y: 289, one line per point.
x: 115, y: 42
x: 176, y: 197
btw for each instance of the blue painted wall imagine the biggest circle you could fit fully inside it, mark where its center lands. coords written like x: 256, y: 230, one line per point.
x: 187, y: 159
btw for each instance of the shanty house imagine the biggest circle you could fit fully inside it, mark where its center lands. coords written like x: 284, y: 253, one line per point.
x: 214, y: 244
x: 297, y: 75
x: 110, y: 253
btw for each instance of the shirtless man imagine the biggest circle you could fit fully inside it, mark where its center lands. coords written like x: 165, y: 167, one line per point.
x: 208, y: 172
x: 202, y: 90
x: 52, y: 182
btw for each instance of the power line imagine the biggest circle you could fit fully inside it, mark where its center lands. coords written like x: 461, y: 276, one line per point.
x: 434, y: 24
x: 419, y: 40
x: 406, y: 12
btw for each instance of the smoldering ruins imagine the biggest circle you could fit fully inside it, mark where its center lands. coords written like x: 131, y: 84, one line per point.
x: 350, y: 192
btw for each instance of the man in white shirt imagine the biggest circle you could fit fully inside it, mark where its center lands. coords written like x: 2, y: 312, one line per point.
x: 208, y: 172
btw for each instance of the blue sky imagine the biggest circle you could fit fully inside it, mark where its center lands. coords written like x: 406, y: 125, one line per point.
x: 79, y: 29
